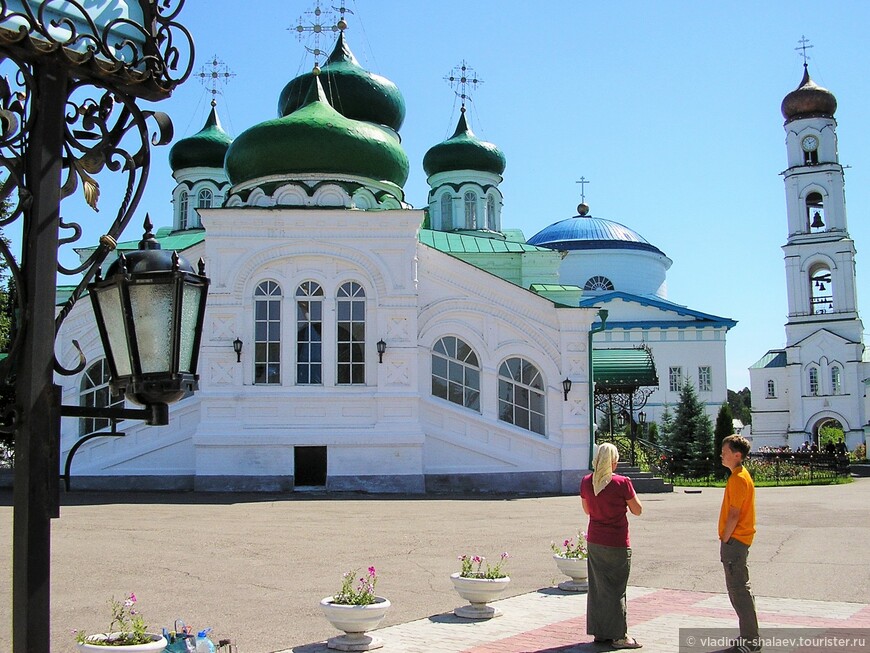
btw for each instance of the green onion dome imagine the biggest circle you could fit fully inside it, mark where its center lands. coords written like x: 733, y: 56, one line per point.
x: 808, y: 100
x: 464, y: 151
x: 207, y: 148
x: 352, y: 91
x: 316, y: 139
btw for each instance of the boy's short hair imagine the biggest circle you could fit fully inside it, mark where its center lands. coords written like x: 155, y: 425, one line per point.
x: 738, y: 444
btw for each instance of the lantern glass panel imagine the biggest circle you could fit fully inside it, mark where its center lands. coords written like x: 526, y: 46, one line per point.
x: 153, y: 313
x: 109, y: 299
x: 191, y: 297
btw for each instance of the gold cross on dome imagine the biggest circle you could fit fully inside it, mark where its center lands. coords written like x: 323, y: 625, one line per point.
x: 214, y: 75
x: 803, y: 47
x: 463, y: 80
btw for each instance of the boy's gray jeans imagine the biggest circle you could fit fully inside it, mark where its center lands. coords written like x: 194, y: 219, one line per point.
x: 734, y: 555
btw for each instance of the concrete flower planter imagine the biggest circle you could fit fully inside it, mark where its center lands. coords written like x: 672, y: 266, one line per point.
x: 478, y: 592
x: 575, y: 568
x: 355, y: 621
x: 157, y: 645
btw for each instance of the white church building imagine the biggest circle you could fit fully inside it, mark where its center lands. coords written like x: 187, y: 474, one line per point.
x: 384, y: 348
x: 820, y: 375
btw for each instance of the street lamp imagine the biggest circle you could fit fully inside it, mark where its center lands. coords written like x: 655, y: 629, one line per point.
x: 70, y: 75
x: 566, y: 387
x: 382, y: 347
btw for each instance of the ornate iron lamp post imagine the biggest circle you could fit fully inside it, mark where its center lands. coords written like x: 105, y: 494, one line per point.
x: 69, y: 80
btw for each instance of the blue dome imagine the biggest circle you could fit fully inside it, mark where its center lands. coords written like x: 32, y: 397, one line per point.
x: 586, y: 232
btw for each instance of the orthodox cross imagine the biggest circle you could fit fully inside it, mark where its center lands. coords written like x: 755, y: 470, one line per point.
x: 463, y: 80
x: 319, y: 21
x: 583, y: 181
x: 804, y: 47
x: 214, y: 75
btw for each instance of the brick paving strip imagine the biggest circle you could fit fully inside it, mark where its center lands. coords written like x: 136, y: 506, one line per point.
x: 552, y: 621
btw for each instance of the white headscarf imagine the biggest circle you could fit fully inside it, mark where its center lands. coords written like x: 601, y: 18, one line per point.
x: 606, y: 455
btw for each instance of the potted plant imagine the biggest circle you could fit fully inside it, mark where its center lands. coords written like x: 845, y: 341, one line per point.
x: 127, y: 632
x: 479, y: 585
x: 355, y: 611
x: 571, y: 559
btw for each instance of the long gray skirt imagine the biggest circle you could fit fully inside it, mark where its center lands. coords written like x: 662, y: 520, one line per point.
x: 609, y: 567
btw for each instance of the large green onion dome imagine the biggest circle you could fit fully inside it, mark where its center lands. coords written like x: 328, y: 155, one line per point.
x: 316, y: 139
x: 353, y: 91
x: 464, y: 151
x: 207, y: 148
x: 808, y: 100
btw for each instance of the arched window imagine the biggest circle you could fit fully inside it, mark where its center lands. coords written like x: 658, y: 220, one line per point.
x: 598, y: 283
x: 821, y: 290
x: 456, y: 373
x: 521, y: 395
x: 470, y: 210
x: 183, y: 209
x: 814, y: 381
x: 815, y: 213
x: 490, y: 213
x: 95, y: 393
x: 836, y: 387
x: 446, y: 212
x: 204, y: 199
x: 771, y: 389
x: 351, y: 343
x: 267, y: 333
x: 309, y: 334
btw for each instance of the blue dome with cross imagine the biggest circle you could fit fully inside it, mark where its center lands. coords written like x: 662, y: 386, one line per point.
x: 584, y: 231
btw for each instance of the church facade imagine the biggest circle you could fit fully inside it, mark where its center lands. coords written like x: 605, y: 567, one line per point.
x: 353, y: 342
x: 819, y: 377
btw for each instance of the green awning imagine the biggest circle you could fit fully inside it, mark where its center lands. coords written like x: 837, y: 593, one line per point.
x: 623, y: 370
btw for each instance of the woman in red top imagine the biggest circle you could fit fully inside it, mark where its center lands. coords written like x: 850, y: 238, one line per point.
x: 606, y: 499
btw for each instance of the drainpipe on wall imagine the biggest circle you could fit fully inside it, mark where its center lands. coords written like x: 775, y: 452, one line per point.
x: 595, y: 329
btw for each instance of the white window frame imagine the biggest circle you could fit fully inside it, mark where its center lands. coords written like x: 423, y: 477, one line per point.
x: 94, y: 392
x: 267, y: 333
x: 456, y: 373
x: 309, y: 334
x: 350, y: 332
x: 705, y: 378
x: 675, y: 378
x: 522, y: 396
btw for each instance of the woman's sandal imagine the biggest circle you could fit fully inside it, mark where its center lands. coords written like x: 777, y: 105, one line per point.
x: 626, y: 642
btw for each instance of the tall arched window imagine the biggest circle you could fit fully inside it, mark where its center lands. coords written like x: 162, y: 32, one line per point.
x: 771, y: 389
x: 204, y: 199
x: 470, y: 210
x: 836, y: 386
x: 821, y: 290
x: 95, y: 393
x: 183, y: 209
x: 446, y: 212
x: 309, y: 334
x: 267, y: 333
x: 351, y: 332
x: 456, y: 373
x: 815, y: 213
x: 521, y: 395
x: 814, y: 381
x: 490, y: 213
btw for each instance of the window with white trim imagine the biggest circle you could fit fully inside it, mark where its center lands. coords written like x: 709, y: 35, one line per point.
x: 456, y: 373
x: 96, y: 393
x: 490, y: 213
x: 705, y: 378
x: 521, y: 397
x: 267, y: 334
x: 470, y: 210
x: 183, y: 209
x: 771, y: 389
x: 675, y: 379
x: 598, y: 283
x: 814, y: 381
x: 836, y: 386
x: 309, y: 334
x: 446, y: 212
x: 351, y: 343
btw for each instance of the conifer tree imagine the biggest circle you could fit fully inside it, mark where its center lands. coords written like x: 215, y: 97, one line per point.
x: 724, y: 428
x: 665, y: 428
x: 691, y: 438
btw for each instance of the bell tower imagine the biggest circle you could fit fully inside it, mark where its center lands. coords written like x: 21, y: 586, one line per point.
x: 819, y: 255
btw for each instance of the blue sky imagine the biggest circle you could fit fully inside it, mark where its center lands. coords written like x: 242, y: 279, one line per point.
x: 671, y: 109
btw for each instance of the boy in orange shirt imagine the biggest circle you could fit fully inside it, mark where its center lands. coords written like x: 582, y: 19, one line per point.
x: 736, y: 530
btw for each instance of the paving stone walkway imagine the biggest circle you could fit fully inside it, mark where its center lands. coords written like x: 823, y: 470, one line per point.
x: 552, y: 621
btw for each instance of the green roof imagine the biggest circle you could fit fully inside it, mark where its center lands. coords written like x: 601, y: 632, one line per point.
x: 559, y: 293
x: 452, y: 243
x: 623, y: 370
x: 207, y: 148
x: 464, y: 151
x: 177, y: 241
x: 774, y: 358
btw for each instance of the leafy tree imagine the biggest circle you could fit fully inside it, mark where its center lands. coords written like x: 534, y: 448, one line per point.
x: 830, y: 432
x: 652, y: 433
x: 691, y: 436
x: 741, y: 405
x: 724, y: 428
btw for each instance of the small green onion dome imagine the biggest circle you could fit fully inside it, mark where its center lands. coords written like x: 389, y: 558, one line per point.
x: 316, y: 139
x: 353, y: 91
x: 808, y: 100
x: 207, y: 148
x: 464, y: 151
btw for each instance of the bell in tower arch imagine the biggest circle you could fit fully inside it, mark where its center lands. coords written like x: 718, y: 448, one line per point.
x: 817, y: 222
